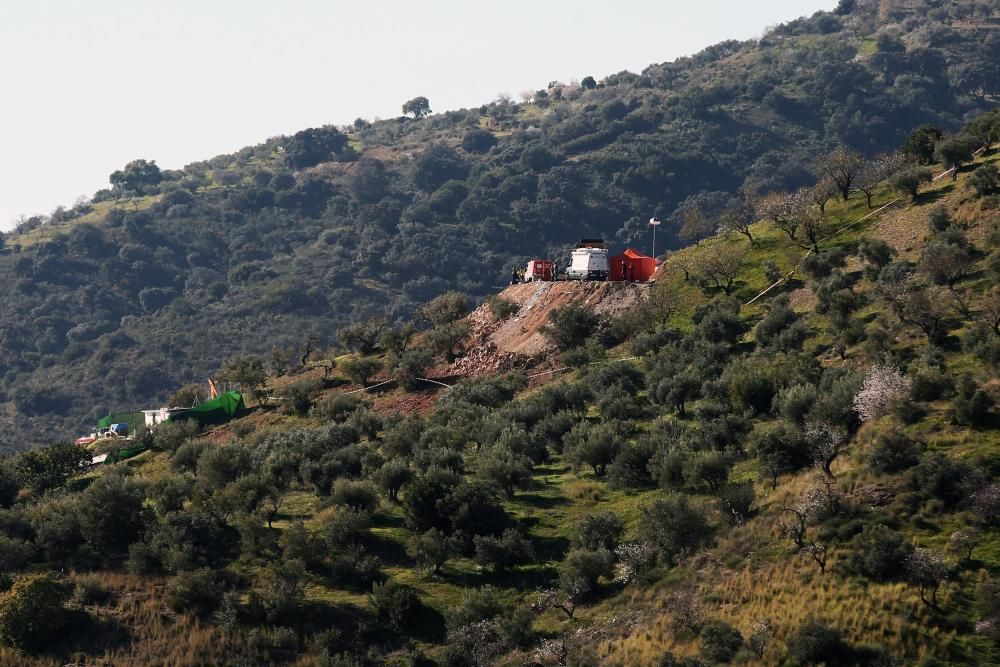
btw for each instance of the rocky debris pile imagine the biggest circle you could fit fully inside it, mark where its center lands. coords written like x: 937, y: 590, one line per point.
x: 875, y: 495
x: 486, y: 357
x: 517, y: 342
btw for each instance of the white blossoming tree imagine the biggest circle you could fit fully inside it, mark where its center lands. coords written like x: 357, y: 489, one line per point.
x: 883, y: 386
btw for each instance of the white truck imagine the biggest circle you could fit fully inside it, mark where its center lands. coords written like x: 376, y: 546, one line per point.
x: 588, y: 263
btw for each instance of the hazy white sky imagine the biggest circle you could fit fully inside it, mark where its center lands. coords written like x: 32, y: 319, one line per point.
x: 88, y: 85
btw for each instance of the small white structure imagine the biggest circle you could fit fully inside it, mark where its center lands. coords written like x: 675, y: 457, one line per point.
x: 154, y: 417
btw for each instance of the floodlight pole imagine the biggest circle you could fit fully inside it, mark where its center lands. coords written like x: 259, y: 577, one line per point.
x: 654, y: 222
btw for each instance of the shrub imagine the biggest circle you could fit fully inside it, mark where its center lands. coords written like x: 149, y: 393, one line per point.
x: 586, y: 568
x: 360, y: 369
x: 185, y: 459
x: 347, y: 528
x: 822, y: 264
x: 670, y: 660
x: 939, y: 219
x: 880, y: 552
x: 781, y: 329
x: 894, y: 452
x: 910, y: 180
x: 500, y: 553
x: 719, y: 641
x: 15, y: 553
x: 444, y: 309
x: 32, y: 613
x: 674, y: 527
x: 395, y: 604
x: 338, y: 407
x: 112, y: 515
x: 942, y: 477
x: 358, y: 496
x: 985, y: 180
x: 794, y: 402
x: 478, y: 604
x: 972, y: 405
x: 501, y: 308
x: 429, y: 549
x: 814, y: 642
x: 9, y: 486
x: 570, y: 326
x: 410, y: 367
x: 198, y: 592
x: 298, y: 396
x: 599, y: 530
x: 89, y: 591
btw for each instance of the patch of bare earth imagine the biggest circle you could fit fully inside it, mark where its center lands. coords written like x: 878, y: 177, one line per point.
x: 518, y: 342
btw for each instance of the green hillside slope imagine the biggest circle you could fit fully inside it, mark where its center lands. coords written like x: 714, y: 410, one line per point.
x: 162, y: 277
x: 806, y: 479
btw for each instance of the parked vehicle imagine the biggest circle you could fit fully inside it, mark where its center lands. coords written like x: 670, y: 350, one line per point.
x: 119, y: 430
x: 589, y: 261
x: 539, y: 269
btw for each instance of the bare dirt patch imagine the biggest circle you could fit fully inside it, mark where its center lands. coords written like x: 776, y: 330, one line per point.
x: 517, y: 342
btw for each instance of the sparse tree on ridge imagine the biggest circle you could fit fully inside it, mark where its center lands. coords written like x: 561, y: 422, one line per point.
x: 722, y: 266
x: 874, y: 171
x: 842, y: 167
x: 953, y: 152
x: 418, y: 107
x: 744, y: 214
x: 822, y: 192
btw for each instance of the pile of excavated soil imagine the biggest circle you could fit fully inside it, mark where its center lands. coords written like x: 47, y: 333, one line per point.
x: 517, y: 342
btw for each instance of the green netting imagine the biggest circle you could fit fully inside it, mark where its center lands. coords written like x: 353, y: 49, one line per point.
x: 126, y: 453
x: 216, y: 411
x: 133, y: 419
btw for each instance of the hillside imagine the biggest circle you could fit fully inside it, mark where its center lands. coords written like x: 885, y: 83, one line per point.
x: 749, y: 471
x: 159, y: 279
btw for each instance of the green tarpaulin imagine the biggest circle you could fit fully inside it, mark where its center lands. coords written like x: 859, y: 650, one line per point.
x: 133, y: 419
x: 216, y: 411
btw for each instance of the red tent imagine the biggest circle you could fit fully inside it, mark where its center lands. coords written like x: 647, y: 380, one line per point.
x: 632, y: 266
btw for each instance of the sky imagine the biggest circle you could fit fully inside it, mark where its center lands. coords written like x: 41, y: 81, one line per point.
x: 88, y: 85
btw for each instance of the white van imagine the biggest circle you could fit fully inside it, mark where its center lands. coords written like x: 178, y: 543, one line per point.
x: 588, y: 264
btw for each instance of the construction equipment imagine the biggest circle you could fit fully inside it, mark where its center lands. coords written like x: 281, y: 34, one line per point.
x: 589, y: 261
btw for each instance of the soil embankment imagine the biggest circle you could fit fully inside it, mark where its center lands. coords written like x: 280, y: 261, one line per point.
x: 517, y: 342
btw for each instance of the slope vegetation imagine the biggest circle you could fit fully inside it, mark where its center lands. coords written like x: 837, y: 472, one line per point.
x: 807, y: 479
x: 164, y: 276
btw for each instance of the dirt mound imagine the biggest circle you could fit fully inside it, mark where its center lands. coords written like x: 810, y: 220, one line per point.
x: 517, y: 342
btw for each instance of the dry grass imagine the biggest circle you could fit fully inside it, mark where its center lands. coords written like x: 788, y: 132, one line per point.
x: 135, y: 628
x: 787, y: 592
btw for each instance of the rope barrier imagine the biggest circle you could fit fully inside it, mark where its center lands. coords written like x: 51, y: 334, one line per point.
x: 446, y: 386
x: 569, y: 368
x: 371, y: 387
